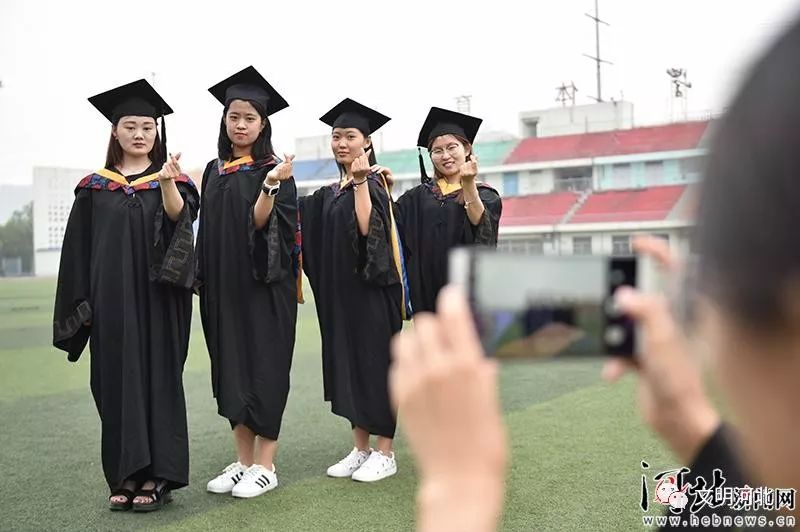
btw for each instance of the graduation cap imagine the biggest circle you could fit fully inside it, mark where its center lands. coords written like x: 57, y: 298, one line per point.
x: 443, y: 122
x: 250, y: 86
x: 137, y: 98
x: 350, y: 113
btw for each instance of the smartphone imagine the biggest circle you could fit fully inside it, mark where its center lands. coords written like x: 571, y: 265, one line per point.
x: 539, y: 306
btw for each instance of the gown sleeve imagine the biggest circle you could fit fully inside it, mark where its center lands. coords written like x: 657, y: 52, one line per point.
x: 376, y: 260
x: 271, y: 247
x: 310, y: 210
x: 485, y: 233
x: 73, y: 310
x: 199, y: 274
x: 174, y: 258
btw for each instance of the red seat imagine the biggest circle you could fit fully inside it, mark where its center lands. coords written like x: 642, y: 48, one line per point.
x: 672, y: 137
x: 634, y: 205
x: 538, y: 209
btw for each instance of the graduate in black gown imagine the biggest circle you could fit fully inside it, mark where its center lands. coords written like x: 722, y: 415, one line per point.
x: 450, y: 210
x: 247, y: 276
x: 124, y: 286
x: 350, y: 261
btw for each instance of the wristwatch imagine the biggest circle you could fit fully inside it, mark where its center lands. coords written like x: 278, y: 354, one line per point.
x: 270, y: 190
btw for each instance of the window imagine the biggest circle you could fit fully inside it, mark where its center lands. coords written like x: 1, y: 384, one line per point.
x: 621, y: 245
x: 535, y: 246
x: 531, y: 246
x: 531, y: 126
x: 528, y: 182
x: 510, y: 184
x: 517, y: 246
x: 621, y: 171
x: 574, y: 179
x: 653, y: 173
x: 573, y: 184
x: 619, y: 176
x: 581, y: 245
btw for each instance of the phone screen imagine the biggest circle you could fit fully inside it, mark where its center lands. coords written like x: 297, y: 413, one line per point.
x: 540, y: 307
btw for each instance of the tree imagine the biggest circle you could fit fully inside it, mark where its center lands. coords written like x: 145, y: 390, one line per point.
x: 16, y: 237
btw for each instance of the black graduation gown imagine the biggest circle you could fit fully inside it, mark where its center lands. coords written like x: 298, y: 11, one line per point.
x: 248, y: 295
x: 128, y: 269
x: 358, y: 296
x: 721, y: 451
x: 431, y: 224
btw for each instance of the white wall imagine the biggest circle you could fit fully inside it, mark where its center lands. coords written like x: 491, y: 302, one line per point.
x: 536, y: 181
x: 577, y: 119
x: 45, y: 262
x: 602, y: 241
x: 560, y: 243
x: 495, y: 181
x: 53, y: 193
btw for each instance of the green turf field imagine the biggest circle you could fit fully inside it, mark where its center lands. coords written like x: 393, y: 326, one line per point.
x: 576, y: 445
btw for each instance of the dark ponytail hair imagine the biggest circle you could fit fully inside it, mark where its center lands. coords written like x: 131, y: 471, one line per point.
x: 262, y: 147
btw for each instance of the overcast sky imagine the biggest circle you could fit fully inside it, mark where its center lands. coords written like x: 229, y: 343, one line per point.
x: 400, y: 57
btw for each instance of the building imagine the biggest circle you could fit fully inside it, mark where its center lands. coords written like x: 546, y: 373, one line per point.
x: 576, y: 119
x: 581, y: 180
x: 53, y: 192
x: 589, y: 193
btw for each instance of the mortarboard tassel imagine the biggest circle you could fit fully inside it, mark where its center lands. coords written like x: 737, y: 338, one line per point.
x: 423, y: 175
x: 163, y: 139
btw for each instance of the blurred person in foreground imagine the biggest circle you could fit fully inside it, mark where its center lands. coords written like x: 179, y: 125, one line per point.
x: 746, y: 320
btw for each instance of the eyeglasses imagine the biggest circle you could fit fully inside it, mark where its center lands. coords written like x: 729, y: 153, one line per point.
x: 452, y: 150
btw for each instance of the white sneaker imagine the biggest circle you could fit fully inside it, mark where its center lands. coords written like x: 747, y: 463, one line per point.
x: 256, y: 481
x: 377, y: 467
x: 349, y: 464
x: 229, y: 477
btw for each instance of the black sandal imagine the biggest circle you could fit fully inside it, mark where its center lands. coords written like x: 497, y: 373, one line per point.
x: 121, y: 506
x: 159, y: 496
